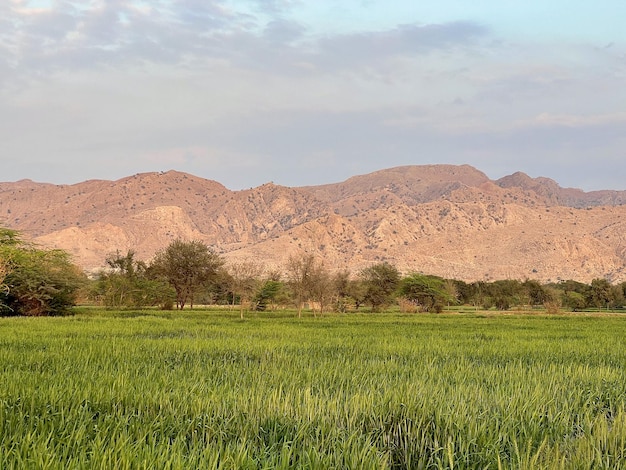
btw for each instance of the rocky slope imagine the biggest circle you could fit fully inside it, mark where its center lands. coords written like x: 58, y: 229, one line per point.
x: 441, y: 219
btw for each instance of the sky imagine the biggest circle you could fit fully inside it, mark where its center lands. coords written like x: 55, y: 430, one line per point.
x: 305, y: 92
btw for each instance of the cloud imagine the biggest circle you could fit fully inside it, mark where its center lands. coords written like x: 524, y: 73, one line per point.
x: 410, y: 41
x: 247, y: 92
x: 70, y: 36
x: 275, y: 7
x: 578, y: 121
x: 283, y: 31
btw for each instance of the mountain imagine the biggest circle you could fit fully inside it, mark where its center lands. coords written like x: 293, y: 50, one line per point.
x: 440, y: 219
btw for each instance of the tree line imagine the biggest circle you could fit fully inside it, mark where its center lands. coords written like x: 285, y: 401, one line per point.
x: 36, y: 281
x: 185, y: 273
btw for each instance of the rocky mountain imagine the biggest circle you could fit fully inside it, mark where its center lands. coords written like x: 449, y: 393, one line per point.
x: 440, y: 219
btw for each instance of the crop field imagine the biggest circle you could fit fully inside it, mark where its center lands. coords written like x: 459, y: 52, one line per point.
x: 204, y: 389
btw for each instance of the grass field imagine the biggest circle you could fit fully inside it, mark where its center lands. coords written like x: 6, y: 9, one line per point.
x: 204, y: 389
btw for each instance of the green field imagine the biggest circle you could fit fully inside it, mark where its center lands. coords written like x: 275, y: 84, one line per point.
x: 204, y: 389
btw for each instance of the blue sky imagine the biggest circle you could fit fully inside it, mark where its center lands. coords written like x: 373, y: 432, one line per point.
x: 311, y: 92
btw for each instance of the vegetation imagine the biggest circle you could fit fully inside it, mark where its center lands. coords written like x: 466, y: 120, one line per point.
x: 193, y: 270
x: 427, y: 293
x: 129, y: 283
x: 244, y: 280
x: 199, y: 389
x: 142, y: 389
x: 188, y: 267
x: 380, y: 282
x: 35, y: 281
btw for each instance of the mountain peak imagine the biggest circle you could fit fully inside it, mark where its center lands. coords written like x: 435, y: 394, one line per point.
x: 449, y: 220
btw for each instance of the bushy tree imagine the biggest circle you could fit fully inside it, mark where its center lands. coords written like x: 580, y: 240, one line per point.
x: 126, y: 283
x: 534, y: 292
x: 428, y: 293
x: 600, y: 294
x: 504, y: 294
x: 188, y: 267
x: 380, y: 282
x: 574, y: 301
x: 36, y: 281
x: 271, y: 293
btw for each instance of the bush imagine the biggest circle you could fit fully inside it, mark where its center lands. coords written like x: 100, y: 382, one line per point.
x: 38, y: 281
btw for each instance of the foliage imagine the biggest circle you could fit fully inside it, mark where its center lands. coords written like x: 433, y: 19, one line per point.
x: 427, y: 293
x: 380, y: 281
x: 600, y: 293
x: 535, y: 293
x: 127, y: 284
x: 244, y: 281
x: 272, y: 293
x: 36, y: 281
x: 323, y: 288
x: 301, y: 272
x: 385, y: 392
x: 188, y: 267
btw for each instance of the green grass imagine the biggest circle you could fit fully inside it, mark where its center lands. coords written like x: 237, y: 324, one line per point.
x: 204, y: 389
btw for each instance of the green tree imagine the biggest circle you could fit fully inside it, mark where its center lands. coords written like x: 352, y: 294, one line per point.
x: 380, y: 282
x: 188, y: 267
x: 428, y: 293
x: 534, y: 292
x: 37, y: 281
x: 575, y: 295
x: 271, y: 293
x: 600, y: 294
x: 505, y: 293
x: 344, y: 291
x: 126, y: 284
x: 574, y: 301
x: 552, y: 299
x: 477, y: 294
x: 4, y: 271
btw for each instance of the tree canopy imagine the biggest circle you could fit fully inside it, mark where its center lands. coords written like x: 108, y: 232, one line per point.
x: 127, y: 283
x: 188, y: 266
x: 35, y: 281
x: 380, y: 281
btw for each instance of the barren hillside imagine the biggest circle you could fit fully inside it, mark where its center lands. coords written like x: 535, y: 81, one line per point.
x: 440, y: 219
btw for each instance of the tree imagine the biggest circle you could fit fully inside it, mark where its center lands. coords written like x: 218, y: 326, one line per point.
x: 126, y: 284
x: 342, y: 287
x: 322, y: 288
x: 188, y: 267
x: 478, y: 294
x: 272, y: 292
x: 7, y: 239
x: 600, y: 294
x: 244, y: 281
x: 428, y: 293
x: 574, y: 300
x: 380, y: 282
x: 36, y: 281
x: 300, y: 273
x: 552, y: 299
x: 536, y: 294
x: 505, y: 293
x: 4, y: 271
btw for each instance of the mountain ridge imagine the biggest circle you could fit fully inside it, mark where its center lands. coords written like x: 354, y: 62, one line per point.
x: 450, y: 220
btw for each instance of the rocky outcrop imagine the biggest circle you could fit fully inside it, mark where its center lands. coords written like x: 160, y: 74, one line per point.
x: 441, y: 219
